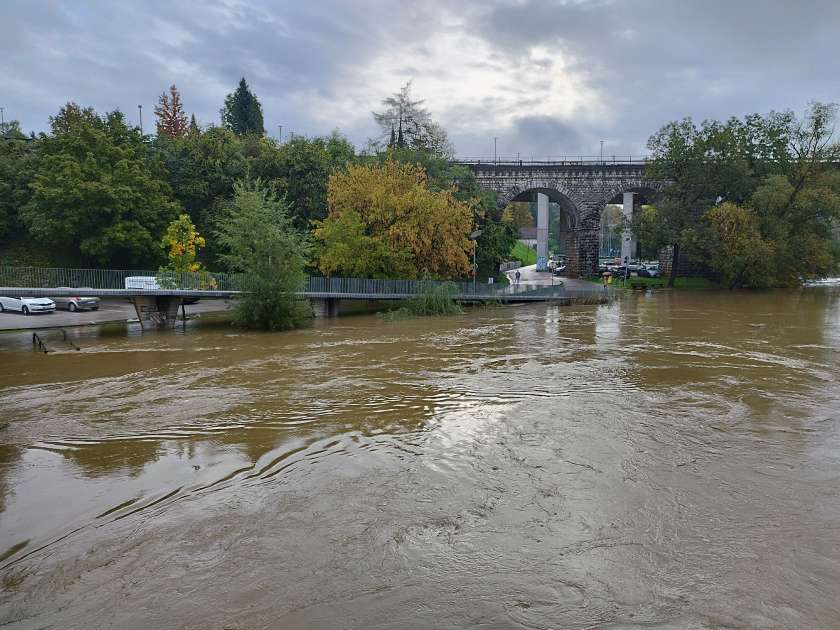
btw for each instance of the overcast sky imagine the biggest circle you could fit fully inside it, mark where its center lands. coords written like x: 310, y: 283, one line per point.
x: 545, y: 78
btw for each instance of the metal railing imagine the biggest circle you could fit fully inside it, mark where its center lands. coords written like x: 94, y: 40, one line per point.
x: 552, y: 160
x: 314, y: 286
x: 49, y: 277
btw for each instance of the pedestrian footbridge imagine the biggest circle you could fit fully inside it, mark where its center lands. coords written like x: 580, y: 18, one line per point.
x: 157, y: 295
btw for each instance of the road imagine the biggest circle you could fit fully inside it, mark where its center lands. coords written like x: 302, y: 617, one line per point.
x: 530, y: 276
x: 115, y: 310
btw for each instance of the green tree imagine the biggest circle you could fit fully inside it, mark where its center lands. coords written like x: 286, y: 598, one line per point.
x: 202, y: 169
x: 494, y: 245
x: 242, y: 113
x: 97, y: 191
x: 259, y: 240
x: 740, y: 255
x: 779, y: 168
x: 299, y: 170
x: 15, y: 175
x: 193, y: 129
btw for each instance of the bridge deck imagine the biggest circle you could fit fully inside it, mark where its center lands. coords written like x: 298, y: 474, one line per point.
x: 503, y: 294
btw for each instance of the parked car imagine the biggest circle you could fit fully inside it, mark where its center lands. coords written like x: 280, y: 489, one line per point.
x: 74, y: 304
x: 27, y: 305
x: 648, y: 271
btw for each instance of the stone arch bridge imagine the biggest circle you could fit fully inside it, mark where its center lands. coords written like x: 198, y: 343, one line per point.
x: 581, y: 188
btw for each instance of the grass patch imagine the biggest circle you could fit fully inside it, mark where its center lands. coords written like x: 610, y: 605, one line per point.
x: 524, y: 254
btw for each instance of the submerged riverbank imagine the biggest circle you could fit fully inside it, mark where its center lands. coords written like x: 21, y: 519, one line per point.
x: 669, y: 458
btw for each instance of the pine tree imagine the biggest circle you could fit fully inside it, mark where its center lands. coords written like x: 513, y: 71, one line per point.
x: 242, y: 112
x: 393, y: 141
x: 171, y: 119
x: 194, y: 128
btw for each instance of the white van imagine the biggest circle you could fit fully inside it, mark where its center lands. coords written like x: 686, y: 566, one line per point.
x: 149, y: 283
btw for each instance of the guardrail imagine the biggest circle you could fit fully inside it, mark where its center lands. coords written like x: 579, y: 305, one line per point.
x: 553, y: 160
x: 117, y: 281
x: 52, y: 277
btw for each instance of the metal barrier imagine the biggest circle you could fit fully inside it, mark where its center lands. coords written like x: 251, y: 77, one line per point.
x: 161, y: 282
x: 49, y: 277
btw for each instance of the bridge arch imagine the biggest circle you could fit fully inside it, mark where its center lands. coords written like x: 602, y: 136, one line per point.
x: 583, y: 189
x: 555, y: 189
x: 569, y: 208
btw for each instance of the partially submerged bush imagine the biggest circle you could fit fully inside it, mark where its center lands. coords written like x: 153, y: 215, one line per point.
x: 431, y: 299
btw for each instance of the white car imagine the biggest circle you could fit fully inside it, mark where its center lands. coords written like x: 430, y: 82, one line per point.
x: 27, y: 305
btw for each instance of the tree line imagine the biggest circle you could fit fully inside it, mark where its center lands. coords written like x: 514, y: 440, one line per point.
x: 95, y: 191
x: 756, y: 199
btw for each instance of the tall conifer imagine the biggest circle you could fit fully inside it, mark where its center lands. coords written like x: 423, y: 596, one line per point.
x: 242, y: 112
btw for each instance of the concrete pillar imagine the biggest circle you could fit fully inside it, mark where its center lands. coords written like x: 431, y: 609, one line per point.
x: 628, y: 239
x: 325, y: 307
x: 157, y: 311
x: 542, y: 232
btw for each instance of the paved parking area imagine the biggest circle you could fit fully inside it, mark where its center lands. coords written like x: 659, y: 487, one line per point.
x: 116, y: 310
x: 530, y: 276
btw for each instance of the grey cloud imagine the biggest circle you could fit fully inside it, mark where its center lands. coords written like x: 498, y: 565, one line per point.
x: 650, y: 60
x: 658, y: 60
x: 528, y: 136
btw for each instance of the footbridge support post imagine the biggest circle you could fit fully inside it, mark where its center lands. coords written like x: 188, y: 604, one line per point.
x: 157, y: 312
x: 325, y: 307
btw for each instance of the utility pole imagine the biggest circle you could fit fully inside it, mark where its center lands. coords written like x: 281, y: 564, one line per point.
x: 2, y: 120
x: 602, y: 150
x: 140, y: 109
x: 495, y: 155
x: 474, y: 238
x: 280, y: 138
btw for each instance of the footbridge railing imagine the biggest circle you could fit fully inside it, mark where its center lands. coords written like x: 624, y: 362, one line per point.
x: 42, y: 281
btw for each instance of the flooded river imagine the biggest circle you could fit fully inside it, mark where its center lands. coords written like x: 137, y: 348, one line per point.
x: 668, y: 461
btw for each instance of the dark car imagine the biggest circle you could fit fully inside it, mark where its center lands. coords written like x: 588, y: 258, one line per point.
x: 646, y: 271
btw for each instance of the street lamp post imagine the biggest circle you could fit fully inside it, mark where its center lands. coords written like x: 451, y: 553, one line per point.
x: 474, y: 238
x: 495, y: 155
x: 140, y: 109
x: 602, y: 150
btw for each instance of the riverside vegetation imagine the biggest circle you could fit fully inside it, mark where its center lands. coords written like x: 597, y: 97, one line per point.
x: 755, y: 200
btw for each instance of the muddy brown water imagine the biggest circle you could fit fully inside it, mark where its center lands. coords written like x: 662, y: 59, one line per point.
x: 671, y: 461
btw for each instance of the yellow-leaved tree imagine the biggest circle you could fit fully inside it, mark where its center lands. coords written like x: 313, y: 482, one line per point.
x: 384, y: 222
x: 182, y: 242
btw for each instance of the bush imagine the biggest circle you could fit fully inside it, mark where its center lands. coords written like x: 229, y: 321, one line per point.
x: 260, y: 240
x: 431, y: 299
x: 269, y: 305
